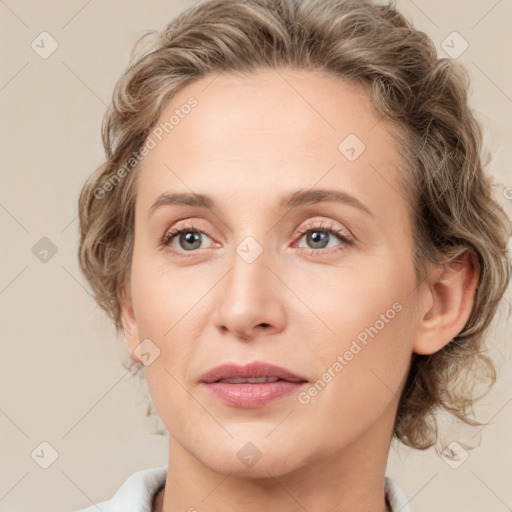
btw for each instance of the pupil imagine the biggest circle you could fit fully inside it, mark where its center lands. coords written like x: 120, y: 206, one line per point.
x: 191, y: 237
x: 319, y: 237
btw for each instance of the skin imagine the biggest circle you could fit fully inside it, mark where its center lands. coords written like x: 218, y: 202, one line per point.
x: 249, y: 141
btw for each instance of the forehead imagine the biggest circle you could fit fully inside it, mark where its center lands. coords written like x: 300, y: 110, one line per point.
x: 305, y: 106
x: 282, y: 128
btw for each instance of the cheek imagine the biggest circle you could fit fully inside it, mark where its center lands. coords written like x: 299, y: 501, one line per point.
x: 361, y: 364
x: 168, y: 310
x: 164, y: 296
x: 371, y: 344
x: 359, y: 382
x: 364, y: 306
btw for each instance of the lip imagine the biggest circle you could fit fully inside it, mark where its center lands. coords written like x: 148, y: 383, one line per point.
x: 250, y: 395
x: 252, y: 370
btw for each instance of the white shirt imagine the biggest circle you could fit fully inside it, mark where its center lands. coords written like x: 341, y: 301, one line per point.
x: 137, y: 492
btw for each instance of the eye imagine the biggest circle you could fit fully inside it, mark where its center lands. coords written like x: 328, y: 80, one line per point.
x: 188, y: 238
x: 318, y: 237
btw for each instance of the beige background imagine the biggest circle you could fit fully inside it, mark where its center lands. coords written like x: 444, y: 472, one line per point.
x: 62, y: 381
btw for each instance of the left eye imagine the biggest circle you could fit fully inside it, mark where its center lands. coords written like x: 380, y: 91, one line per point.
x: 319, y: 238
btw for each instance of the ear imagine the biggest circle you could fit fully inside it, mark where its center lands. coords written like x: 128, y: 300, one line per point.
x: 131, y: 330
x: 447, y: 302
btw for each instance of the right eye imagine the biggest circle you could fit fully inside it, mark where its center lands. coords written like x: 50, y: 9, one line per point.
x: 187, y: 237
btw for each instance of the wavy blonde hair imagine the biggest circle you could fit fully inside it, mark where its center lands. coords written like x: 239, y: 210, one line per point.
x: 425, y: 97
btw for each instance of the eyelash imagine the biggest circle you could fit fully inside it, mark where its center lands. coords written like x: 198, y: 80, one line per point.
x: 340, y: 234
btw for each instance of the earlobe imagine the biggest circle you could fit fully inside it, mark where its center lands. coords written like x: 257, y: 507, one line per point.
x: 452, y: 292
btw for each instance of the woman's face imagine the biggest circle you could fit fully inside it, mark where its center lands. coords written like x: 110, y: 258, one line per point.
x: 257, y: 276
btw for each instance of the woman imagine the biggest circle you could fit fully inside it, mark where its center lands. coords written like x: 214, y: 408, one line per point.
x: 294, y: 230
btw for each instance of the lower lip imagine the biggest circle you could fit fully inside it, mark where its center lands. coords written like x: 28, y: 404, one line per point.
x: 251, y: 396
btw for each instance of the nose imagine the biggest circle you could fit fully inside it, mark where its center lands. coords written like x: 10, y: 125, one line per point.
x: 250, y: 299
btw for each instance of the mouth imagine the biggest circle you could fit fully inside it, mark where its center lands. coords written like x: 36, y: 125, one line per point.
x: 251, y: 386
x: 254, y: 373
x: 251, y: 380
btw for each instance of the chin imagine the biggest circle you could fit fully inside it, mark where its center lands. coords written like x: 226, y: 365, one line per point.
x: 260, y: 458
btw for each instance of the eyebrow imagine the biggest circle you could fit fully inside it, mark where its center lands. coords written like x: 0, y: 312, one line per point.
x: 297, y: 198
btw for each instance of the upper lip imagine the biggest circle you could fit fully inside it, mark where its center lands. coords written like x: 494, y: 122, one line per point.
x: 252, y: 370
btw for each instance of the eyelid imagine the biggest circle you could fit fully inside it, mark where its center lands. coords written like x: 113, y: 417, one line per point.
x: 310, y: 225
x: 318, y: 224
x: 184, y: 225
